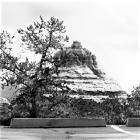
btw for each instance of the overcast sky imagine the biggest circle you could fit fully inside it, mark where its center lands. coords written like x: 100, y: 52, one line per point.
x: 108, y: 28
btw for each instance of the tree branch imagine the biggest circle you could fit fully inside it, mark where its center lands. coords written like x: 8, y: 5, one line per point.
x: 6, y: 68
x: 44, y: 53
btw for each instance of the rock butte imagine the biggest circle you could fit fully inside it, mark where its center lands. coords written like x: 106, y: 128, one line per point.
x: 78, y: 67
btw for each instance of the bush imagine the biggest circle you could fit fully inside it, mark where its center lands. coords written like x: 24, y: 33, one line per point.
x: 58, y: 106
x: 115, y: 110
x: 133, y: 103
x: 111, y: 109
x: 5, y: 114
x: 86, y: 108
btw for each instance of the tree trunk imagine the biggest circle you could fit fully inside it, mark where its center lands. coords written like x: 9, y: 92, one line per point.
x: 33, y: 111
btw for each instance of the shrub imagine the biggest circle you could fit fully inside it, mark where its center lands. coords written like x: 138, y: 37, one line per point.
x: 133, y: 103
x: 113, y: 111
x: 5, y: 114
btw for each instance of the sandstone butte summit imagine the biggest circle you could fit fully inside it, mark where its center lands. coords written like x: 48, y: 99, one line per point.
x: 80, y: 70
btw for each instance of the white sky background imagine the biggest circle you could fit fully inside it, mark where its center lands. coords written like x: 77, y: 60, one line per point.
x: 108, y: 28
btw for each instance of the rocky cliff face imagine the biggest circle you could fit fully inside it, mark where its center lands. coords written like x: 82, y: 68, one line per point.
x: 80, y: 70
x: 82, y: 77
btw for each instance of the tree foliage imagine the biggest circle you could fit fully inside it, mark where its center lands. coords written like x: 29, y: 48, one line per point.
x: 133, y: 103
x: 32, y: 78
